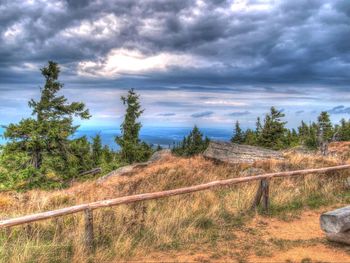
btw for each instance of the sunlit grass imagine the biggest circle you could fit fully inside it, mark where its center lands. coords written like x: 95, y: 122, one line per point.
x: 172, y: 223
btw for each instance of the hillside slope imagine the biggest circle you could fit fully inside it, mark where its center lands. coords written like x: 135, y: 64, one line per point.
x: 213, y: 222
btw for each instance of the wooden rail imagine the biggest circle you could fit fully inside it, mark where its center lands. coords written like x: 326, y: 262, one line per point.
x: 262, y: 193
x: 156, y: 195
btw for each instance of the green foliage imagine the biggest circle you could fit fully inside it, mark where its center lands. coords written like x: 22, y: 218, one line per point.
x: 47, y: 134
x: 193, y: 144
x: 273, y: 131
x: 238, y: 134
x: 97, y: 151
x: 132, y: 149
x: 274, y: 135
x: 342, y: 131
x: 325, y: 127
x: 308, y: 135
x: 40, y: 151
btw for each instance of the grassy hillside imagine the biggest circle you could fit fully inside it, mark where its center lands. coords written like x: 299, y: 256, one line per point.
x: 204, y: 219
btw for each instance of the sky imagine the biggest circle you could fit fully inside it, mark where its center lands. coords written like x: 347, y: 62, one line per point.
x: 200, y: 62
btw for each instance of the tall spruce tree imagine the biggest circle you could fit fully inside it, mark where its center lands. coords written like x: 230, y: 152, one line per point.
x: 47, y: 134
x: 238, y: 136
x: 273, y: 131
x: 325, y: 131
x: 325, y: 126
x: 132, y: 149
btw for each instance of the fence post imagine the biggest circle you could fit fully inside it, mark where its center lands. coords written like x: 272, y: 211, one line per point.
x: 89, y: 230
x: 262, y: 193
x: 257, y: 197
x: 266, y: 194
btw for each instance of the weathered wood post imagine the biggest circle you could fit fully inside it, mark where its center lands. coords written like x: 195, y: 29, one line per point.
x: 266, y: 194
x: 262, y: 193
x: 89, y: 230
x: 257, y: 197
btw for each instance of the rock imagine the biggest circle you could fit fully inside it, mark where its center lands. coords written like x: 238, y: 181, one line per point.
x: 237, y: 153
x: 339, y: 237
x: 336, y: 224
x: 126, y: 170
x: 121, y: 171
x: 158, y: 155
x: 336, y: 221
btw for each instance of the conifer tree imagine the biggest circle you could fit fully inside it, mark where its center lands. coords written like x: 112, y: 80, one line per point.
x: 238, y: 136
x: 132, y: 149
x: 325, y: 126
x: 47, y: 134
x: 97, y: 150
x: 325, y: 131
x: 193, y: 144
x: 273, y: 131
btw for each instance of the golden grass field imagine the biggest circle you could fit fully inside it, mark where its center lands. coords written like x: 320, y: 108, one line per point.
x: 213, y: 225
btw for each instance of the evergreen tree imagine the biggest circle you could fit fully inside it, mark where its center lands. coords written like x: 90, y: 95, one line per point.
x: 273, y: 131
x: 325, y: 131
x: 107, y: 154
x: 343, y: 131
x: 193, y: 144
x: 325, y: 126
x: 258, y: 126
x: 238, y: 136
x: 80, y: 159
x: 46, y: 135
x: 97, y: 150
x: 132, y: 149
x: 250, y: 137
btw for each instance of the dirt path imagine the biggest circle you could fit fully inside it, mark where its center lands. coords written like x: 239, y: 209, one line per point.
x: 264, y: 240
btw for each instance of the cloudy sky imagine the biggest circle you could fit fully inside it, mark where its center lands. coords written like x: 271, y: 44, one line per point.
x: 208, y: 62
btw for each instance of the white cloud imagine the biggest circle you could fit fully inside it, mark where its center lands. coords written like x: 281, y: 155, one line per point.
x: 102, y: 28
x: 123, y: 61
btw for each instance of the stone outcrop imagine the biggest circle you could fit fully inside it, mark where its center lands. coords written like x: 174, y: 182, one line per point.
x: 237, y: 153
x: 126, y: 170
x: 336, y: 225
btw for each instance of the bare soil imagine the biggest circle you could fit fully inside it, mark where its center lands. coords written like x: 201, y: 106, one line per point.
x: 264, y: 239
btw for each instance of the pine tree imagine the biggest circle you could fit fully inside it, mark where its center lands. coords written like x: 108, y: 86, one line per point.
x: 48, y: 133
x: 238, y: 136
x: 132, y: 149
x: 343, y: 131
x: 258, y: 126
x: 273, y: 131
x: 325, y: 126
x: 325, y: 131
x: 193, y: 144
x: 97, y: 150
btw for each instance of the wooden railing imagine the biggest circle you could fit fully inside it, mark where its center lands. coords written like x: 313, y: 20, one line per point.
x: 262, y: 193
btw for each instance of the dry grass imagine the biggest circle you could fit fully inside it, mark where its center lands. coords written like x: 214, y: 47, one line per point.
x: 168, y: 224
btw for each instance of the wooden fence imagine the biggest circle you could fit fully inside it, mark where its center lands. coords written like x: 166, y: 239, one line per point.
x: 262, y: 193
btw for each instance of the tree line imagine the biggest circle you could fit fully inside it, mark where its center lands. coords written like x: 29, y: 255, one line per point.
x: 273, y: 134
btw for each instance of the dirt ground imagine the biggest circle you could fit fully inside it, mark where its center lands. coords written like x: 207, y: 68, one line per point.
x: 265, y: 240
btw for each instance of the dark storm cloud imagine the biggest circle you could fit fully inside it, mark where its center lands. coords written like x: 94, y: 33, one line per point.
x: 339, y: 110
x: 202, y: 114
x: 239, y: 113
x: 287, y: 42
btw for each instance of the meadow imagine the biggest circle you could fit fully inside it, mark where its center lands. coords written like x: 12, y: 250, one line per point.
x: 182, y: 223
